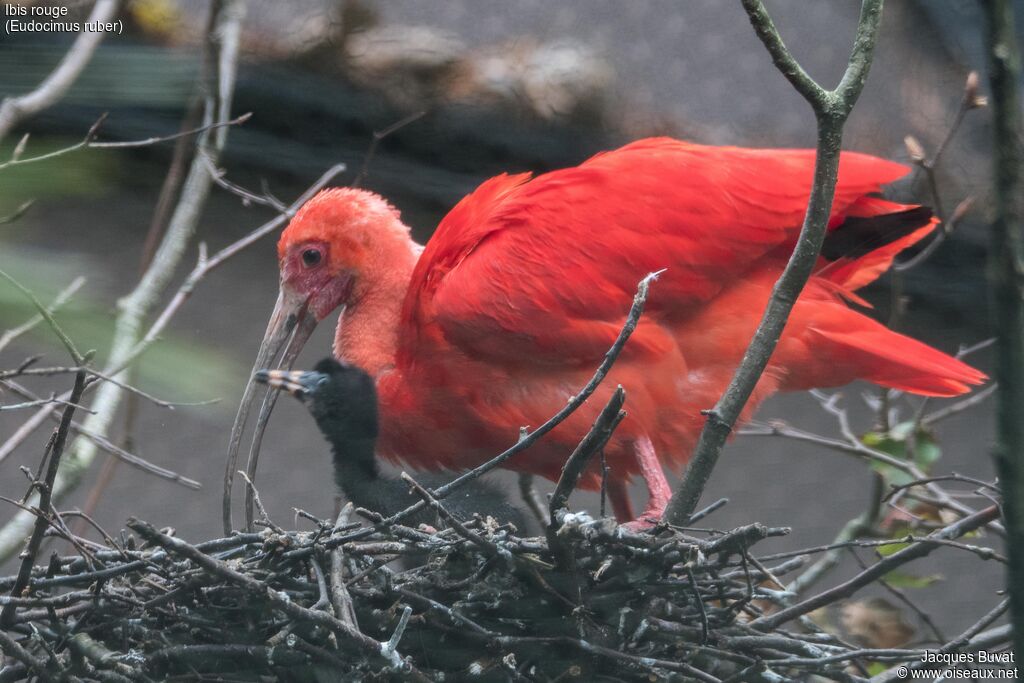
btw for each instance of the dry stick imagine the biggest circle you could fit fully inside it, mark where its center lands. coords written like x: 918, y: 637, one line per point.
x: 879, y: 569
x: 95, y: 375
x: 970, y: 101
x: 184, y: 149
x: 89, y: 141
x: 62, y: 298
x: 453, y: 521
x: 1006, y: 286
x: 635, y: 311
x: 609, y: 418
x: 134, y: 308
x: 203, y: 268
x: 106, y: 445
x: 379, y: 135
x: 14, y: 110
x: 341, y: 599
x: 967, y: 638
x: 18, y: 212
x: 278, y: 600
x: 831, y: 109
x: 28, y: 558
x: 37, y: 666
x: 45, y: 314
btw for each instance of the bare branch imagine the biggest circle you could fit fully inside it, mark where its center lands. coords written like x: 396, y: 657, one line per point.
x: 635, y: 311
x: 831, y: 110
x: 45, y: 495
x: 46, y: 315
x: 62, y: 298
x: 609, y: 418
x: 879, y: 569
x: 89, y: 141
x: 223, y: 44
x: 14, y: 110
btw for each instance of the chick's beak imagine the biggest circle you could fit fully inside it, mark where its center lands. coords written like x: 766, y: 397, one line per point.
x: 296, y: 382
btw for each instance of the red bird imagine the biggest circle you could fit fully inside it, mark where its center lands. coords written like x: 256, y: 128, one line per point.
x: 526, y: 283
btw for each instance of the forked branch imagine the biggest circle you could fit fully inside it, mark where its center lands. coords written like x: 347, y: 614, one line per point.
x: 831, y: 109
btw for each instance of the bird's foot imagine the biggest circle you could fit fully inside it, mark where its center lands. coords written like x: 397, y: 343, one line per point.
x: 645, y: 522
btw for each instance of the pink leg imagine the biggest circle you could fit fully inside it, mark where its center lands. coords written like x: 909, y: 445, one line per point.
x: 658, y: 490
x: 619, y: 497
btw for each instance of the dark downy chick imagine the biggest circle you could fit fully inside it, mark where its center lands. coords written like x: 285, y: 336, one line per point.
x: 343, y: 400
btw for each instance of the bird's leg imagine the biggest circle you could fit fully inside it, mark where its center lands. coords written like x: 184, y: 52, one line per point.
x: 658, y: 490
x: 618, y: 494
x: 533, y: 501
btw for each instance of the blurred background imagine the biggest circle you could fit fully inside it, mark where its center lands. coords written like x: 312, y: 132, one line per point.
x: 505, y: 86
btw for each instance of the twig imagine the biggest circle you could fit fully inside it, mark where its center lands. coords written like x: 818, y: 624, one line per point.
x: 36, y: 666
x: 44, y: 402
x: 46, y: 315
x: 14, y: 110
x: 635, y: 311
x: 222, y: 41
x: 103, y: 443
x: 90, y: 142
x: 964, y: 639
x: 17, y: 213
x: 975, y: 399
x: 879, y: 569
x: 595, y: 439
x: 97, y: 375
x: 340, y: 597
x: 379, y: 135
x: 701, y: 514
x: 62, y: 298
x: 390, y: 649
x: 264, y: 516
x: 450, y: 518
x: 247, y: 197
x: 279, y: 601
x: 831, y: 109
x: 851, y: 531
x: 45, y: 496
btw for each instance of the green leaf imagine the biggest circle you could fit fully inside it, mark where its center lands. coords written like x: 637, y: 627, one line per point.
x: 900, y: 579
x: 876, y: 668
x: 923, y: 450
x: 892, y: 548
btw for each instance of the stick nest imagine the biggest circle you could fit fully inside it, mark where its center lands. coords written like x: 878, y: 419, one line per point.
x: 590, y: 601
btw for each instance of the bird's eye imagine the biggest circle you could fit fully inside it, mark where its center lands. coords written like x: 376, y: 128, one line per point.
x: 311, y: 257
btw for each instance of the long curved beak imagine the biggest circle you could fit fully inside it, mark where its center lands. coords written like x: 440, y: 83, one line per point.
x: 289, y: 328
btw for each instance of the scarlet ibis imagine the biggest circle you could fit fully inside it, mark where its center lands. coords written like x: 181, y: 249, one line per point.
x: 343, y: 401
x: 526, y: 283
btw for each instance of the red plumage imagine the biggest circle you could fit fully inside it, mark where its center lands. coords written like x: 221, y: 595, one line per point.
x: 526, y: 283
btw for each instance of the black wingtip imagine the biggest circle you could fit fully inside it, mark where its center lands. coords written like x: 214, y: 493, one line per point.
x: 857, y: 236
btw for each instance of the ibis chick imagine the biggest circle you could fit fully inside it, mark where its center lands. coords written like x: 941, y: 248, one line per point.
x: 343, y: 400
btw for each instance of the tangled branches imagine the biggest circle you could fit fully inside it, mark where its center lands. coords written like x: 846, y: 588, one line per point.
x: 390, y: 602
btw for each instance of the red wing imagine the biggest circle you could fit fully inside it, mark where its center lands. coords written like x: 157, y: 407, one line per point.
x: 544, y: 270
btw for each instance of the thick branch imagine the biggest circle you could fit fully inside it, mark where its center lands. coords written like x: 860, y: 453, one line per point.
x: 1006, y: 284
x: 831, y: 112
